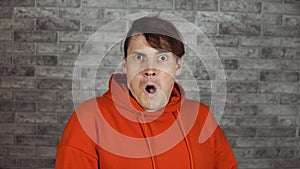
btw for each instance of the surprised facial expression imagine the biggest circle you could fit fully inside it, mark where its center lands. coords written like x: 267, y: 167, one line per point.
x: 150, y: 73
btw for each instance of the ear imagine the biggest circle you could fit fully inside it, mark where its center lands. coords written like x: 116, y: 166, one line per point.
x: 124, y: 65
x: 178, y: 67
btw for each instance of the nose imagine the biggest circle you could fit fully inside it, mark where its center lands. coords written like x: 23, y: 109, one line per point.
x: 150, y: 73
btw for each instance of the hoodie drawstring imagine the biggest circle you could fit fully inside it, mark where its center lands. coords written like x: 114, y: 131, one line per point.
x: 183, y: 132
x: 146, y: 136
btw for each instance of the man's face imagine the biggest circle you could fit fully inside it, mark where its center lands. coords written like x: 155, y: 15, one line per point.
x: 150, y: 73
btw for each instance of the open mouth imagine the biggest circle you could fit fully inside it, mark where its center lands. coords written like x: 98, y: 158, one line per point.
x: 150, y: 89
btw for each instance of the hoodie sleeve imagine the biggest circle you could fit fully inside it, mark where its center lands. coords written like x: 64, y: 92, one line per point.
x: 224, y: 157
x: 75, y: 149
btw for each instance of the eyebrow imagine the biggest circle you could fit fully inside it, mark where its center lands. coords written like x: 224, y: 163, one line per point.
x: 158, y: 52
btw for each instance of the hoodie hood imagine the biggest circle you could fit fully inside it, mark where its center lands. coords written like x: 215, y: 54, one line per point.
x: 120, y: 95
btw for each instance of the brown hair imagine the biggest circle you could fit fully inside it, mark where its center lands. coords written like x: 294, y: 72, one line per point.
x: 159, y: 34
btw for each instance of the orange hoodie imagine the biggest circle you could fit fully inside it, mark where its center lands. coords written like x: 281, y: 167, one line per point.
x: 115, y: 132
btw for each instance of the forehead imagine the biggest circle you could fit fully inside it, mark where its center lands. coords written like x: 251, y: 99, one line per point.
x: 138, y: 42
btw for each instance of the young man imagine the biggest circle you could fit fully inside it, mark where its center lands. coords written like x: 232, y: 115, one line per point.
x: 144, y: 120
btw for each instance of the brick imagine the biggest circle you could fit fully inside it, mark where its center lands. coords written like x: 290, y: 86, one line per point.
x: 63, y: 118
x: 50, y: 129
x: 65, y: 95
x: 258, y: 64
x: 57, y: 24
x: 276, y: 132
x: 32, y: 95
x: 256, y: 142
x: 228, y: 121
x: 112, y: 60
x: 52, y: 107
x: 5, y: 59
x: 287, y: 163
x: 140, y: 4
x: 6, y: 3
x: 5, y: 35
x: 17, y: 24
x: 277, y: 152
x: 35, y: 118
x: 188, y: 15
x: 280, y: 8
x: 17, y: 83
x: 278, y: 53
x: 185, y: 5
x: 5, y: 106
x: 54, y: 72
x: 24, y: 2
x: 287, y: 121
x: 66, y: 60
x: 233, y: 52
x: 240, y: 6
x: 81, y: 13
x: 36, y: 162
x: 279, y: 87
x: 7, y: 117
x: 207, y: 5
x: 6, y: 139
x: 33, y: 12
x: 208, y: 27
x: 279, y: 76
x: 46, y: 151
x: 35, y: 36
x: 239, y: 29
x: 256, y: 163
x: 17, y: 129
x: 74, y: 36
x: 290, y: 99
x: 242, y: 153
x: 257, y: 98
x: 218, y: 40
x: 291, y: 31
x: 92, y: 3
x: 16, y: 71
x: 240, y: 110
x: 241, y: 75
x: 272, y: 109
x: 16, y: 48
x: 239, y: 131
x: 289, y: 64
x: 5, y: 95
x: 58, y: 3
x: 57, y: 84
x: 291, y: 20
x: 6, y: 12
x: 270, y: 19
x: 240, y: 87
x: 256, y: 121
x: 113, y: 14
x: 47, y: 60
x: 33, y: 140
x: 208, y: 16
x: 167, y: 4
x: 261, y: 41
x: 230, y: 63
x: 57, y: 48
x: 6, y: 162
x: 17, y: 151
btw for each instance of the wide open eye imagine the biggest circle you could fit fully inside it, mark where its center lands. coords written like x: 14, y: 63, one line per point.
x: 138, y: 57
x: 163, y: 57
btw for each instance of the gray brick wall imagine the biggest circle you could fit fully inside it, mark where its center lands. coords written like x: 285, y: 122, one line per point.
x: 257, y: 41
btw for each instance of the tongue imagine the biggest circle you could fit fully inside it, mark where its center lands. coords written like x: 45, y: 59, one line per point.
x: 152, y: 90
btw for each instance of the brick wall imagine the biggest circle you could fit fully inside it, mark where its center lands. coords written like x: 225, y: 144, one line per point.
x: 258, y: 42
